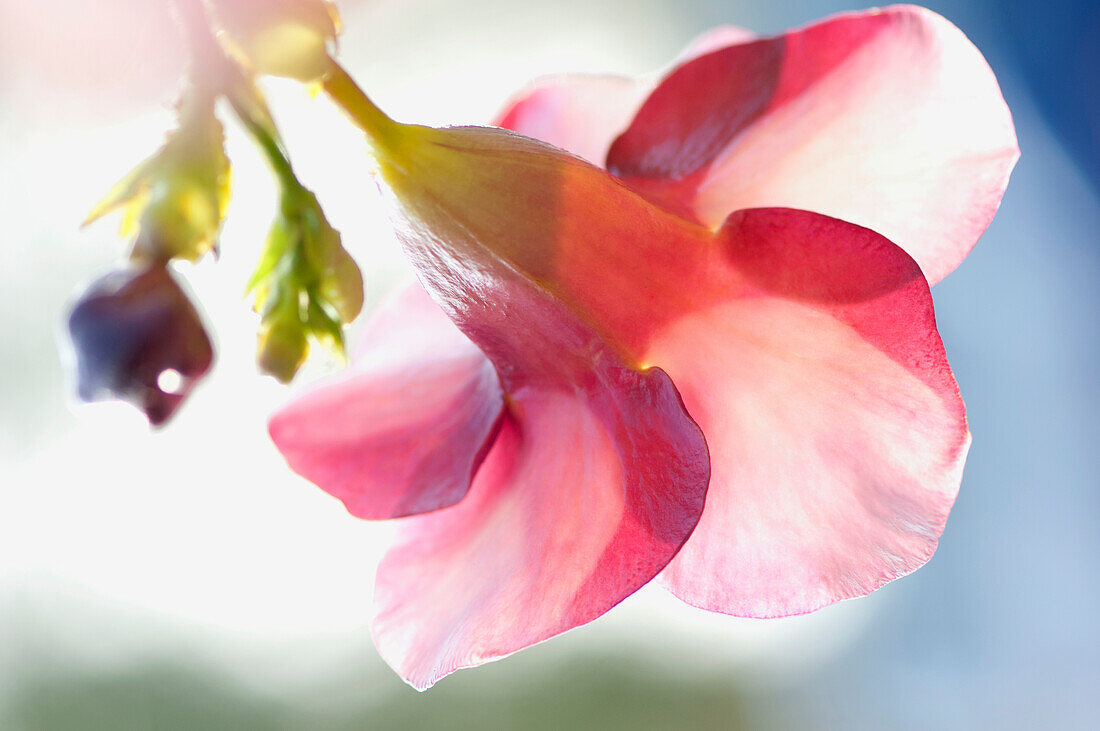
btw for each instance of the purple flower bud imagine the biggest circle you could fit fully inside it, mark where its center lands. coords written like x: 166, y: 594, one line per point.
x: 134, y: 331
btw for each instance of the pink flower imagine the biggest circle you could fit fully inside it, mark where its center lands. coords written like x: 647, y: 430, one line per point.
x: 550, y: 423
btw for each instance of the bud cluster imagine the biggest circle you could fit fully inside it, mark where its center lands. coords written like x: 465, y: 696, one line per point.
x: 135, y: 323
x: 305, y: 285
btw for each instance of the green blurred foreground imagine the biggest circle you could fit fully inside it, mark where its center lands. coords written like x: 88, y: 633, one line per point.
x: 585, y: 693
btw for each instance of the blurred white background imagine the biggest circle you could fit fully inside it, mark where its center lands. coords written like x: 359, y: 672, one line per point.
x: 186, y: 579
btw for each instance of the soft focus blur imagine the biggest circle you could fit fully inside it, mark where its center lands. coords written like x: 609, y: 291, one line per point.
x: 186, y: 580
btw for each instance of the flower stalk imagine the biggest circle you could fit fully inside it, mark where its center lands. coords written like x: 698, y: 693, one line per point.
x: 380, y: 129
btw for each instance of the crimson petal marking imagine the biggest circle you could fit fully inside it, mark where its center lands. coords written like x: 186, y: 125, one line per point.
x: 890, y: 119
x: 404, y: 429
x: 836, y: 429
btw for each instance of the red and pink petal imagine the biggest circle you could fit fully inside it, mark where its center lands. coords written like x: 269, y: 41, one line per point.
x: 890, y: 119
x: 585, y: 496
x: 405, y: 428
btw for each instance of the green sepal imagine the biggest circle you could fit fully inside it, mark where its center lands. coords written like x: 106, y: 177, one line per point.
x: 274, y: 254
x: 325, y: 329
x: 133, y: 184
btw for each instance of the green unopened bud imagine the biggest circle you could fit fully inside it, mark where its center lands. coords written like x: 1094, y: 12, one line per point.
x: 281, y: 37
x: 305, y: 265
x: 342, y: 283
x: 339, y: 283
x: 282, y: 345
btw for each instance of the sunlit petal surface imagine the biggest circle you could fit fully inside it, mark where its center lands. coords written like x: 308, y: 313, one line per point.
x: 836, y: 430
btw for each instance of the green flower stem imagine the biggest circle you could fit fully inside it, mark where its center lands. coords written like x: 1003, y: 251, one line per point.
x: 343, y: 90
x: 271, y: 145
